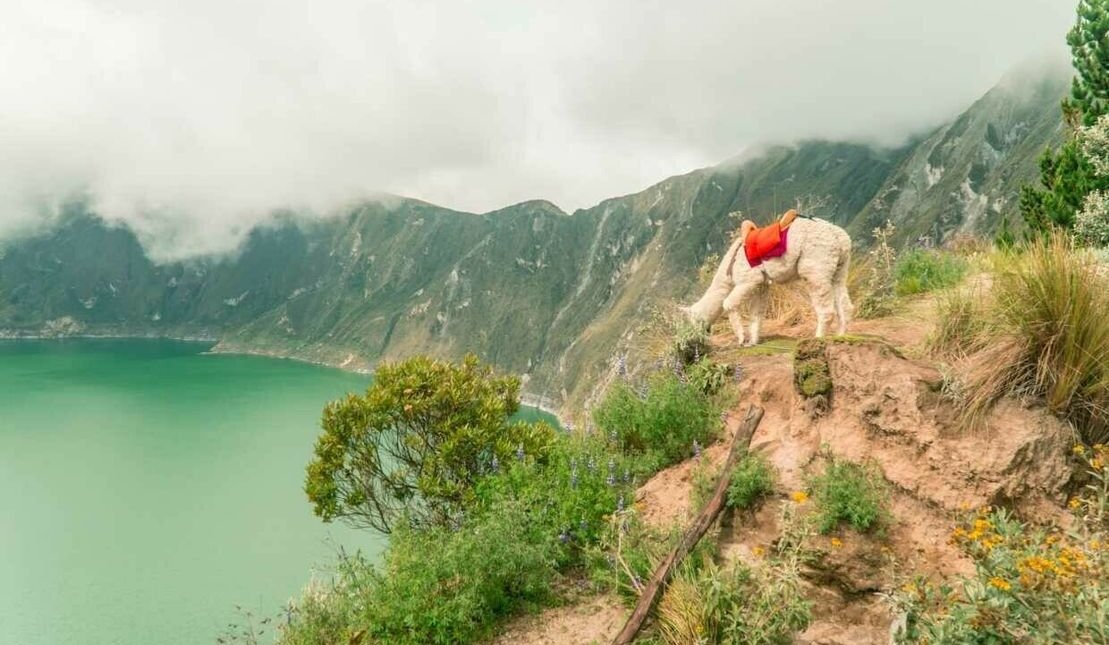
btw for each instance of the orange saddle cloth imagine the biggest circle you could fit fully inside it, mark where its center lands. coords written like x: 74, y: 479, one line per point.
x: 765, y: 243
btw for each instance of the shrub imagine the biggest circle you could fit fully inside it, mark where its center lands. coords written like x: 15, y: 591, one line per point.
x: 734, y: 603
x: 663, y: 423
x: 878, y: 293
x: 708, y: 376
x: 921, y: 271
x: 416, y: 443
x: 849, y: 492
x: 1046, y: 334
x: 583, y: 480
x: 690, y: 342
x: 752, y: 480
x: 437, y: 586
x: 1030, y: 584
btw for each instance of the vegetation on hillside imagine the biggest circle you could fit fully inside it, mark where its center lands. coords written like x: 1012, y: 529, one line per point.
x: 1031, y: 584
x: 1067, y: 176
x: 497, y: 516
x: 1039, y: 331
x: 415, y: 445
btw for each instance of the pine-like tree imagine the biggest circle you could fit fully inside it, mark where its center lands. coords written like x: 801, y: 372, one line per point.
x: 1090, y: 55
x: 1066, y: 176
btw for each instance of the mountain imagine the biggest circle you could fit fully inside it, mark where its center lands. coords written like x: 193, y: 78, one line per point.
x: 535, y: 290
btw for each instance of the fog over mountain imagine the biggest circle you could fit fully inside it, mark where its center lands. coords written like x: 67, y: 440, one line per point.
x: 191, y: 122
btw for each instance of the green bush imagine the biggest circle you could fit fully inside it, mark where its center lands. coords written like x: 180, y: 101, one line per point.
x: 438, y: 586
x: 752, y: 480
x: 708, y: 376
x: 663, y: 423
x: 849, y: 492
x: 416, y: 443
x: 690, y: 342
x: 921, y: 271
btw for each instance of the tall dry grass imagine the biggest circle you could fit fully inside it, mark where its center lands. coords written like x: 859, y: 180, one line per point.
x: 1041, y: 329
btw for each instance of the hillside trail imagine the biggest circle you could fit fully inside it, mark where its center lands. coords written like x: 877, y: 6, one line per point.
x: 886, y: 408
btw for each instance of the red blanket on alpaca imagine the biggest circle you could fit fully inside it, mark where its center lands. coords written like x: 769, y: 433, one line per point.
x: 765, y: 243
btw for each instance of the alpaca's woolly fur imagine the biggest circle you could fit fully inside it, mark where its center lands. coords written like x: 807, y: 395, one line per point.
x: 818, y: 252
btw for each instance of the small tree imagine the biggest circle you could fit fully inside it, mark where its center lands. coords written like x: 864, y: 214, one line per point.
x: 1067, y: 176
x: 416, y: 443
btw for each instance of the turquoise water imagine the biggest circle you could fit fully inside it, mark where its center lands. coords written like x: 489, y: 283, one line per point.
x: 147, y: 488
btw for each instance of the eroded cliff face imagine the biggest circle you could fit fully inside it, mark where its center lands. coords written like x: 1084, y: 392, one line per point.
x: 549, y: 295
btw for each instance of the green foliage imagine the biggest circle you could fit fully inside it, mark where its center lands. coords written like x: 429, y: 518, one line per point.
x: 1042, y: 331
x: 1030, y: 585
x: 708, y: 376
x: 690, y: 343
x: 1067, y: 176
x: 752, y: 480
x: 849, y: 492
x: 1089, y: 53
x: 416, y: 443
x: 582, y: 481
x: 921, y: 271
x: 438, y: 586
x: 664, y: 423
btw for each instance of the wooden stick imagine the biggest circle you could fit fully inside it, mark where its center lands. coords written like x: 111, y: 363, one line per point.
x: 694, y: 533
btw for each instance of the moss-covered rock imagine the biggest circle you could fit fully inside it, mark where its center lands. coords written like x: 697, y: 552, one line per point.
x: 811, y: 375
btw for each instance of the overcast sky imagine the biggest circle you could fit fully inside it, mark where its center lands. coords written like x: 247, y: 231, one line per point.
x: 191, y: 120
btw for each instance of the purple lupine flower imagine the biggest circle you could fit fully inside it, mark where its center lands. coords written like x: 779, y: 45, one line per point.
x: 622, y: 366
x: 613, y: 437
x: 520, y: 452
x: 696, y: 354
x: 495, y: 464
x: 724, y: 416
x: 591, y: 466
x: 737, y: 373
x: 620, y: 504
x: 574, y: 478
x: 564, y: 536
x: 696, y: 449
x: 611, y: 479
x: 569, y: 427
x: 627, y: 476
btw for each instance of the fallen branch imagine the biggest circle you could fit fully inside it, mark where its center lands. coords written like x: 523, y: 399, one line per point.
x: 694, y: 533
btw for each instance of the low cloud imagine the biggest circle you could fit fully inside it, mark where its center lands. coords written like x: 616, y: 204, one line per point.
x: 191, y: 122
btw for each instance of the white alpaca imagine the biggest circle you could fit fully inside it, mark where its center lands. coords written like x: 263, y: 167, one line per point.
x: 817, y: 251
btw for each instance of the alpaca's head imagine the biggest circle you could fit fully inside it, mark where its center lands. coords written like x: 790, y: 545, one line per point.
x: 689, y: 315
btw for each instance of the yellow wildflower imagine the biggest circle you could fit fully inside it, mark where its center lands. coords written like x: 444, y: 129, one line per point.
x: 1075, y: 503
x: 799, y: 496
x: 1096, y: 463
x: 1000, y: 583
x: 836, y: 543
x: 758, y: 551
x: 1079, y: 449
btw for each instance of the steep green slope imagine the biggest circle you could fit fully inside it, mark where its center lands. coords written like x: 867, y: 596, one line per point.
x: 966, y: 176
x: 536, y: 291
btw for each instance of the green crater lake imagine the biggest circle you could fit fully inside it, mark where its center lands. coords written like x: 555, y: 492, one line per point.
x: 147, y: 488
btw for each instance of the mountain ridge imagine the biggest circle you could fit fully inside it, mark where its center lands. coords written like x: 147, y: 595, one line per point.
x: 535, y: 290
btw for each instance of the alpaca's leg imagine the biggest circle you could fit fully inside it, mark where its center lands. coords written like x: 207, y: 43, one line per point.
x: 844, y: 308
x: 758, y: 309
x: 733, y: 303
x: 823, y: 301
x: 736, y: 320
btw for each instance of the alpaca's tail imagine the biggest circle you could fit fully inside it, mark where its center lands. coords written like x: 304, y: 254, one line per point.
x: 844, y: 308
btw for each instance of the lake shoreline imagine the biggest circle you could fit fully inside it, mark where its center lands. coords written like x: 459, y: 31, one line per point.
x: 220, y: 347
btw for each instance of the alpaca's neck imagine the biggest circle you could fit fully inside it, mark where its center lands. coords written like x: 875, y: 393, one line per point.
x: 711, y: 305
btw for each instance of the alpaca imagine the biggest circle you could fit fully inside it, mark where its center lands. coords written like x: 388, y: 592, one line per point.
x: 818, y: 252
